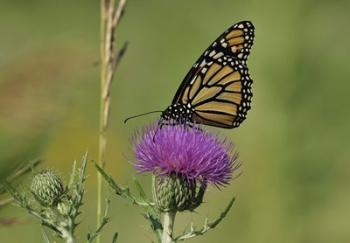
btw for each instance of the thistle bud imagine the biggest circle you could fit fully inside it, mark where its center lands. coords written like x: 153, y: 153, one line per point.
x: 47, y: 188
x: 64, y: 206
x: 175, y: 193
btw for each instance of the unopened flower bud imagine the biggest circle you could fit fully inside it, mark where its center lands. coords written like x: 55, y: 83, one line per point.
x: 175, y: 193
x: 47, y: 188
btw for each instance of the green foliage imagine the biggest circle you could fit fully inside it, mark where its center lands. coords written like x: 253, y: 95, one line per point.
x: 192, y: 232
x: 57, y: 208
x: 151, y: 210
x: 91, y: 236
x: 20, y: 171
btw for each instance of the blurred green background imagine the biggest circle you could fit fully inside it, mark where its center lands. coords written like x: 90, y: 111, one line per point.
x: 294, y: 144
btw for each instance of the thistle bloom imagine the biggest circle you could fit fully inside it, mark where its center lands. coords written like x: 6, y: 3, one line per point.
x: 181, y: 157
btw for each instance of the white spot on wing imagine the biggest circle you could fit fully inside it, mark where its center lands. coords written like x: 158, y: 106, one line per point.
x: 203, y: 63
x: 220, y: 54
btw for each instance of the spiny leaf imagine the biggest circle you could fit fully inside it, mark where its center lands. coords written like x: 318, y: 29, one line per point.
x: 140, y: 189
x: 207, y: 226
x: 115, y: 237
x: 91, y: 236
x: 73, y: 174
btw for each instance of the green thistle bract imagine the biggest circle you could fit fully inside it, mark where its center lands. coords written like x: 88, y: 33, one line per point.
x: 47, y: 188
x: 174, y: 193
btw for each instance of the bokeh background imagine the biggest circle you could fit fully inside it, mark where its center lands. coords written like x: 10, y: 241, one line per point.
x: 294, y: 144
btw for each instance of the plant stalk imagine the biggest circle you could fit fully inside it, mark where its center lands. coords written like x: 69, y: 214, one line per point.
x: 102, y: 139
x: 67, y: 235
x: 168, y: 226
x: 110, y: 15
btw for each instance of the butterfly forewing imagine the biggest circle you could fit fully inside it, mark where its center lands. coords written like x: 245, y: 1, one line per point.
x: 218, y: 86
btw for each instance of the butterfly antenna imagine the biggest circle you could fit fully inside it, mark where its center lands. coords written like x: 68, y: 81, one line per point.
x: 132, y: 117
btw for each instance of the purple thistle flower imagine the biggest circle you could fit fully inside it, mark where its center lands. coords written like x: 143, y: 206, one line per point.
x: 190, y: 152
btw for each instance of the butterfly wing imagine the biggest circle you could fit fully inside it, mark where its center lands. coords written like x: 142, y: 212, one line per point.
x: 218, y: 85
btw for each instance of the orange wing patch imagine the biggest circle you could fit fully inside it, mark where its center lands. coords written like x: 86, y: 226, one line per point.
x: 235, y: 76
x: 216, y: 118
x: 234, y: 33
x: 217, y: 106
x: 236, y: 41
x: 220, y: 92
x: 195, y: 86
x: 212, y: 70
x: 232, y: 97
x: 184, y: 97
x: 206, y: 93
x: 234, y: 87
x: 219, y: 75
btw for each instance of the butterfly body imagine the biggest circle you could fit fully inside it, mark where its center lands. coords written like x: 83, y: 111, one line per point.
x: 177, y: 113
x: 217, y: 89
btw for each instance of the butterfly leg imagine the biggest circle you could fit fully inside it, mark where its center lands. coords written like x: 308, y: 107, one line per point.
x: 159, y: 126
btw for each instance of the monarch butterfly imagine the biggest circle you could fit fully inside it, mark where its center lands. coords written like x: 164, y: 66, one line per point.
x: 217, y: 89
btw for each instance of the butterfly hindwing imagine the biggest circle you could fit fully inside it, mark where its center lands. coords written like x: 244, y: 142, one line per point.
x: 220, y: 93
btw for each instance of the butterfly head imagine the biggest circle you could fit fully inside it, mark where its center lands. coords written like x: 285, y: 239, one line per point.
x: 178, y: 113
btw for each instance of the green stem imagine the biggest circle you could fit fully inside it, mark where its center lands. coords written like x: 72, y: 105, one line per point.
x: 67, y: 235
x: 168, y: 226
x: 102, y: 139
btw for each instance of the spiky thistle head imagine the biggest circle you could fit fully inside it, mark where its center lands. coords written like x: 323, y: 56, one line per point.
x: 47, y: 188
x: 183, y: 160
